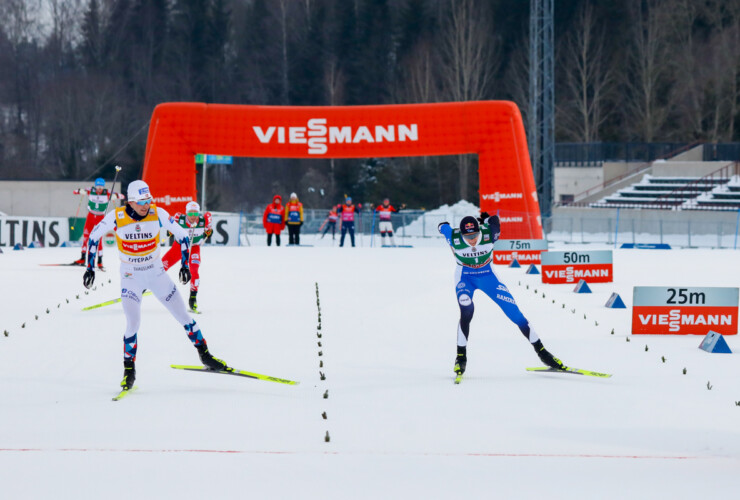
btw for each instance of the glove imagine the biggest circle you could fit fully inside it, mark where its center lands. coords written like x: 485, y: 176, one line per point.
x: 184, y: 275
x: 439, y: 227
x: 483, y: 217
x: 88, y: 278
x: 495, y: 225
x: 208, y: 233
x: 300, y: 223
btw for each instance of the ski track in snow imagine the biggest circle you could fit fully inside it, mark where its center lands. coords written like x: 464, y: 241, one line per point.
x: 398, y: 426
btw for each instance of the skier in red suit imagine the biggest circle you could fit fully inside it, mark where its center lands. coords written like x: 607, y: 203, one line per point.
x: 273, y: 219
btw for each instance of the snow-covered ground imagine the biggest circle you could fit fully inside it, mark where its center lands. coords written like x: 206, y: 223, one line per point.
x: 398, y: 426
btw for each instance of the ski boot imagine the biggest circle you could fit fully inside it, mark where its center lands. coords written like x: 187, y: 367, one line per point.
x: 209, y: 361
x: 461, y: 360
x: 129, y: 374
x: 192, y: 301
x: 80, y: 261
x: 100, y: 262
x: 547, y: 358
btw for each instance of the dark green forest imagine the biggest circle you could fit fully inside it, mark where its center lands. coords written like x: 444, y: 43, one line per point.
x: 80, y: 79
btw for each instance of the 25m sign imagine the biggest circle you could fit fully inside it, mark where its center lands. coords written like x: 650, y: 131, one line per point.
x: 684, y: 310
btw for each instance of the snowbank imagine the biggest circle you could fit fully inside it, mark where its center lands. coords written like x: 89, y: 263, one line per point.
x: 426, y: 225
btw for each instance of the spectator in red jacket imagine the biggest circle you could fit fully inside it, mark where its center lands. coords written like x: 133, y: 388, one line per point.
x: 273, y: 219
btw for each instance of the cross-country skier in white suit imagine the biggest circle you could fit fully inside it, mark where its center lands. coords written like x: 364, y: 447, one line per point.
x: 137, y: 226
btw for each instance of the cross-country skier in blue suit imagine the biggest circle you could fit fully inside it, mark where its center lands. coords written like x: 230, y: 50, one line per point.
x: 472, y: 246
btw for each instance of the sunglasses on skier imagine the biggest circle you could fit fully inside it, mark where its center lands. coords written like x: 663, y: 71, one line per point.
x: 144, y: 202
x: 193, y: 214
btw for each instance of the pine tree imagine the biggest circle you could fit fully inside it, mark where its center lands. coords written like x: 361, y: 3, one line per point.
x: 91, y: 48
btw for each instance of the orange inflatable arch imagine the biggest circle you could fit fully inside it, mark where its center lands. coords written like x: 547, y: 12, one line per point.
x: 491, y: 129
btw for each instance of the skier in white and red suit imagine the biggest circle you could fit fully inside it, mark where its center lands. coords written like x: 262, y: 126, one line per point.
x: 385, y: 226
x: 200, y: 228
x: 272, y: 219
x: 97, y: 205
x: 137, y: 226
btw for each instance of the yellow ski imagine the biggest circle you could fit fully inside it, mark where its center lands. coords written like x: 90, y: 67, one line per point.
x: 239, y: 373
x: 124, y: 393
x: 109, y: 302
x: 574, y: 371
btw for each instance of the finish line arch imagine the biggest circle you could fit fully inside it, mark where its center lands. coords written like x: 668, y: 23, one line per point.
x: 491, y: 129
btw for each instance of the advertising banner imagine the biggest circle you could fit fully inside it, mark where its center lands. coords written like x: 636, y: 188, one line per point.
x: 684, y: 310
x: 49, y: 231
x: 572, y: 266
x: 491, y: 129
x: 524, y: 251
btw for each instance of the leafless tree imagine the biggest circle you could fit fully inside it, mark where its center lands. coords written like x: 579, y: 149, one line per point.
x: 469, y: 60
x: 20, y: 23
x: 334, y: 82
x: 516, y: 76
x: 722, y: 56
x: 647, y: 78
x: 420, y: 84
x: 284, y: 51
x: 587, y: 81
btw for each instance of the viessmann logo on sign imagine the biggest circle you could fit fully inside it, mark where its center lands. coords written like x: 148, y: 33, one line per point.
x: 524, y: 251
x: 317, y: 135
x: 502, y: 196
x: 684, y: 310
x: 169, y: 200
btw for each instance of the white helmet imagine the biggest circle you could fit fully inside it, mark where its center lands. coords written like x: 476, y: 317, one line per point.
x: 293, y: 196
x: 192, y: 206
x: 138, y: 191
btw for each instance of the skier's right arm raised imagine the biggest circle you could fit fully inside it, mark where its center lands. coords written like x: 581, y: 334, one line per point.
x: 446, y: 230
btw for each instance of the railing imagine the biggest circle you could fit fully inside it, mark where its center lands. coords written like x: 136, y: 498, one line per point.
x: 688, y: 232
x: 595, y: 153
x: 641, y: 167
x: 597, y: 228
x: 406, y: 223
x: 697, y: 187
x: 678, y: 198
x: 728, y: 151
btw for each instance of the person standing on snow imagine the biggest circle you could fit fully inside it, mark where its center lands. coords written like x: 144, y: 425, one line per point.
x: 348, y: 211
x: 200, y: 228
x: 330, y: 223
x: 97, y: 205
x: 294, y: 219
x: 385, y: 225
x: 472, y: 247
x: 137, y: 227
x: 272, y: 219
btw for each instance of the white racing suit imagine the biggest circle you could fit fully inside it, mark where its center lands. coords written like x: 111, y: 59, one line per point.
x: 142, y: 269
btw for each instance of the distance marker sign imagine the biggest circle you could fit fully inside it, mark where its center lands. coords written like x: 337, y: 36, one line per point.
x: 524, y: 251
x: 594, y: 266
x: 684, y: 310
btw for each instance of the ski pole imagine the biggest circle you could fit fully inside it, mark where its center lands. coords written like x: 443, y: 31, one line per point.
x: 110, y: 195
x: 72, y: 226
x: 372, y: 230
x: 107, y: 206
